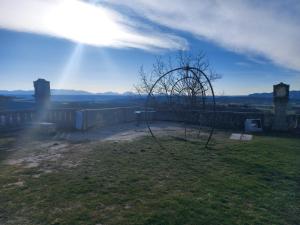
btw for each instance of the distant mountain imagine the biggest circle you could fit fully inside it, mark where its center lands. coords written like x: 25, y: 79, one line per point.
x: 16, y: 92
x: 293, y: 95
x: 69, y: 92
x: 53, y: 92
x: 261, y: 95
x: 62, y: 92
x: 129, y: 93
x: 108, y: 93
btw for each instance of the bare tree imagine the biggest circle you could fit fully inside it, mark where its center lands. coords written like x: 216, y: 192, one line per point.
x: 145, y: 82
x: 198, y: 61
x: 189, y: 83
x: 160, y: 67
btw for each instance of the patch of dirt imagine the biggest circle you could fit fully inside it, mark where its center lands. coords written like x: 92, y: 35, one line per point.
x: 65, y: 150
x: 18, y: 184
x: 126, y: 132
x: 32, y: 155
x: 47, y: 156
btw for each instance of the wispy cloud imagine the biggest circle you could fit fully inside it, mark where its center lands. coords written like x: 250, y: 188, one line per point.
x: 266, y: 28
x: 84, y: 23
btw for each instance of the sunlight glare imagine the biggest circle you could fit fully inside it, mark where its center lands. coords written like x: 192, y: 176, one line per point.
x: 84, y: 23
x: 71, y: 67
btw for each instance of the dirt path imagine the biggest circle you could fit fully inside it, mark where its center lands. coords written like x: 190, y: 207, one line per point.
x: 66, y: 149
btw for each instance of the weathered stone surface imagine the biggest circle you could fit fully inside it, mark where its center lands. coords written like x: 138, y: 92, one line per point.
x: 280, y: 99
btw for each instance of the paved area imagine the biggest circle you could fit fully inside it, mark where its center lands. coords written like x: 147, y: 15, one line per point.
x: 241, y: 137
x: 126, y: 132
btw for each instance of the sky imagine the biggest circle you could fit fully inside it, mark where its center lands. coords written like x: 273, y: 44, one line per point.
x: 99, y: 45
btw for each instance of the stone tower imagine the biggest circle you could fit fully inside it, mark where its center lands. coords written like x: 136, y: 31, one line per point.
x: 280, y: 99
x: 42, y: 93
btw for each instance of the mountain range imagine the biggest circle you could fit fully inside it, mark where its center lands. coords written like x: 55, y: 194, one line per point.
x: 60, y: 92
x: 293, y: 94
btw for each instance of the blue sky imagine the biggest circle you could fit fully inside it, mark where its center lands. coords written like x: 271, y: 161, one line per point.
x: 99, y: 46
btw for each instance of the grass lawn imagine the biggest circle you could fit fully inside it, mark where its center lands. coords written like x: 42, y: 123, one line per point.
x: 136, y: 182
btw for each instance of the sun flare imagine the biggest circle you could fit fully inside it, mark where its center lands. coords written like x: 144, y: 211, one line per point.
x: 84, y: 23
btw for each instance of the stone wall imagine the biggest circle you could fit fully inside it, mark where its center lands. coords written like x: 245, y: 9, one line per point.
x: 67, y: 118
x: 15, y: 119
x: 88, y: 118
x: 294, y: 122
x: 11, y: 120
x: 223, y: 119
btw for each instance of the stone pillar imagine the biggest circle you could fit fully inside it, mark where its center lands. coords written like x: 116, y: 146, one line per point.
x: 280, y: 100
x: 42, y: 93
x: 42, y: 99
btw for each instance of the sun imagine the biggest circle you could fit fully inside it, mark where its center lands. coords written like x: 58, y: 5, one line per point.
x: 84, y: 23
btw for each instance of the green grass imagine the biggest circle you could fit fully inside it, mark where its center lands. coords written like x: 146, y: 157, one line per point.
x: 257, y: 182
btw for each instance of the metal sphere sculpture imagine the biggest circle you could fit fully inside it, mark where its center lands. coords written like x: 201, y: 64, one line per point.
x: 182, y: 95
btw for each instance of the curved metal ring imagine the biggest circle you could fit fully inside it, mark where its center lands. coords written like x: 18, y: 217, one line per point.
x: 196, y: 77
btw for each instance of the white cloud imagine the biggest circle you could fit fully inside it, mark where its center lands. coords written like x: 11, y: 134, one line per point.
x: 82, y: 22
x: 267, y: 28
x: 252, y: 27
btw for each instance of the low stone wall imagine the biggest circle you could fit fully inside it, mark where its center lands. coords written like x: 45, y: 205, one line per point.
x: 14, y: 119
x: 89, y: 118
x: 294, y: 122
x: 223, y: 119
x: 10, y: 120
x: 63, y: 118
x: 67, y: 118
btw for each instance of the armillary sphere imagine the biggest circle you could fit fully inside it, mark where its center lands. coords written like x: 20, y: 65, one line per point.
x: 183, y: 96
